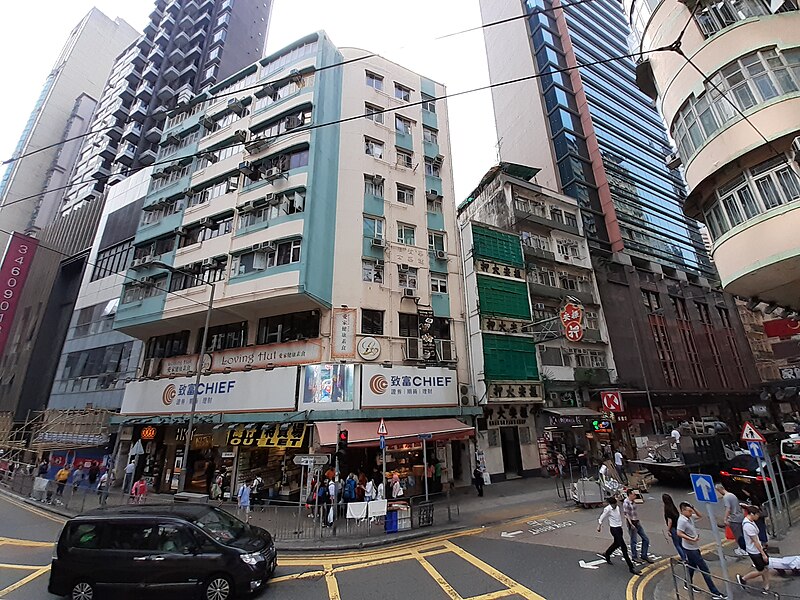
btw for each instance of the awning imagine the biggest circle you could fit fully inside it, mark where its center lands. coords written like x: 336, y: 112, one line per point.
x: 363, y: 434
x: 573, y: 412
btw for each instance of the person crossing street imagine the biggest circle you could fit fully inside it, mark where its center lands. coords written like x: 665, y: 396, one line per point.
x: 690, y: 539
x: 635, y: 529
x: 613, y: 514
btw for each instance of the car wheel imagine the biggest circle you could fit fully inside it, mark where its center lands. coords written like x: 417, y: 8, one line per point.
x: 83, y: 590
x: 271, y: 570
x: 218, y: 587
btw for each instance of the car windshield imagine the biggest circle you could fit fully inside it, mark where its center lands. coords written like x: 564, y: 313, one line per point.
x: 220, y: 525
x: 790, y: 447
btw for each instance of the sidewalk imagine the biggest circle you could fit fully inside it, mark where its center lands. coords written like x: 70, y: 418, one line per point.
x: 501, y: 502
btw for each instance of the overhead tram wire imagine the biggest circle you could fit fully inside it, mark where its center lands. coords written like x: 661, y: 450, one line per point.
x: 174, y: 111
x: 313, y: 126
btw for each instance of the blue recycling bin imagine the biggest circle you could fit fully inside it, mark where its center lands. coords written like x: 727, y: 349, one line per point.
x: 391, y: 521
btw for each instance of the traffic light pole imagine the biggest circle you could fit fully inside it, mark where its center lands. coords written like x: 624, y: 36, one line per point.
x: 338, y: 449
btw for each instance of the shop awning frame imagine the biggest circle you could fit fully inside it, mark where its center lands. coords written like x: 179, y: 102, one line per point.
x: 580, y: 411
x: 363, y: 434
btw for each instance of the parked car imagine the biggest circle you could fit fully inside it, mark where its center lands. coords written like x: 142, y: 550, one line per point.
x: 745, y: 476
x: 176, y: 547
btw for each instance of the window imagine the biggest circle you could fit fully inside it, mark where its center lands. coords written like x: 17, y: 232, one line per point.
x: 401, y: 92
x: 405, y: 158
x: 258, y: 260
x: 372, y: 271
x: 402, y: 125
x: 284, y: 203
x: 591, y: 320
x: 537, y: 242
x: 219, y: 36
x: 373, y: 228
x: 197, y: 274
x: 141, y: 537
x: 168, y: 345
x: 373, y: 186
x: 755, y: 191
x: 542, y: 275
x: 371, y: 322
x: 215, y: 190
x: 374, y: 81
x: 708, y: 329
x: 210, y: 72
x: 373, y: 148
x: 284, y: 90
x: 439, y: 283
x: 430, y: 135
x: 96, y: 368
x: 408, y: 325
x: 407, y: 277
x: 567, y: 249
x: 687, y: 337
x: 223, y: 337
x: 182, y: 142
x: 222, y: 225
x: 84, y: 535
x: 432, y: 167
x: 154, y: 248
x: 373, y: 113
x: 223, y: 19
x: 716, y: 16
x: 112, y: 260
x: 98, y: 318
x: 287, y: 253
x: 435, y: 204
x: 214, y: 156
x: 405, y: 194
x: 288, y: 328
x: 173, y: 539
x: 725, y: 318
x: 436, y: 241
x: 290, y: 56
x: 428, y: 103
x: 406, y: 234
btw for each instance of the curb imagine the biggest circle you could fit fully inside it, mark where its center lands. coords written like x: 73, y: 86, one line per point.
x: 40, y: 505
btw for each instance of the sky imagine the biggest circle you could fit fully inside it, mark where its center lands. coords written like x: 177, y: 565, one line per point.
x: 403, y: 36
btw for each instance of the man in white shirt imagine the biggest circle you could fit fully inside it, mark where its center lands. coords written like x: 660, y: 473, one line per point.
x: 676, y: 435
x: 130, y: 468
x: 614, y: 515
x: 620, y: 466
x: 756, y: 551
x: 690, y: 540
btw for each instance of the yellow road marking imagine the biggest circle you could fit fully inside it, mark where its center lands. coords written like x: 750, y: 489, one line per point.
x: 30, y: 543
x: 296, y: 576
x: 37, y: 511
x: 493, y: 595
x: 330, y: 581
x: 22, y: 567
x: 24, y: 581
x: 518, y: 588
x: 437, y: 577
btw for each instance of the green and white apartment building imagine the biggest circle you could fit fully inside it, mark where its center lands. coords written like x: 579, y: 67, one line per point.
x: 525, y: 256
x: 317, y: 200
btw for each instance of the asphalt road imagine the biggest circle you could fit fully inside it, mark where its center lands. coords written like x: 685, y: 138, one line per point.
x: 536, y: 558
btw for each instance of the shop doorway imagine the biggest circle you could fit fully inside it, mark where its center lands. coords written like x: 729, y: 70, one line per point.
x: 512, y: 454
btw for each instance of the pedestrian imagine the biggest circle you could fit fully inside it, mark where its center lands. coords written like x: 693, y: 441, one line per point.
x: 370, y: 492
x: 380, y: 493
x: 128, y: 480
x: 758, y: 555
x: 103, y: 486
x: 94, y: 472
x: 61, y: 480
x: 244, y: 500
x: 350, y: 492
x: 690, y: 539
x: 561, y: 461
x: 619, y: 463
x: 676, y: 435
x: 583, y: 463
x: 734, y: 516
x: 209, y: 475
x: 437, y: 476
x: 397, y: 489
x: 139, y: 491
x: 44, y: 467
x: 614, y: 516
x: 635, y: 529
x: 671, y: 515
x: 361, y: 488
x: 477, y: 480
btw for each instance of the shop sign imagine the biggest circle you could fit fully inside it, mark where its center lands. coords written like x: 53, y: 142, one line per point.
x: 790, y: 372
x: 329, y: 383
x: 676, y: 413
x: 565, y: 420
x: 506, y: 422
x: 253, y: 391
x: 612, y: 400
x: 571, y: 316
x: 148, y: 433
x: 202, y: 441
x: 13, y: 272
x: 255, y: 357
x: 369, y: 348
x: 403, y: 387
x: 344, y: 333
x: 275, y: 437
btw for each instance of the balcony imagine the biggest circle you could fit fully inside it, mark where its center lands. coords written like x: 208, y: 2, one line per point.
x: 190, y: 70
x: 536, y: 252
x: 145, y: 91
x: 107, y: 149
x: 547, y: 291
x: 542, y: 218
x: 119, y: 110
x: 144, y: 42
x: 153, y: 133
x: 150, y: 73
x: 126, y: 154
x: 176, y: 55
x: 115, y: 132
x: 165, y: 94
x: 99, y: 168
x: 126, y: 92
x: 181, y: 40
x: 168, y: 21
x: 171, y: 74
x: 197, y: 38
x: 147, y: 157
x: 139, y: 60
x: 162, y: 38
x: 156, y: 54
x: 592, y: 335
x: 132, y: 132
x: 139, y: 111
x: 592, y: 375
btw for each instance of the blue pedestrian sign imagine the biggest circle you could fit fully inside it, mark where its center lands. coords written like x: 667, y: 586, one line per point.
x: 383, y: 442
x: 704, y: 488
x: 755, y: 449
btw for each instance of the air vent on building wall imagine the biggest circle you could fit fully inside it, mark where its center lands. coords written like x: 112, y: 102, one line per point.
x: 466, y: 395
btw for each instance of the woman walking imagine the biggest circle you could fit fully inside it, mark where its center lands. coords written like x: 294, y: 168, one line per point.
x: 671, y: 515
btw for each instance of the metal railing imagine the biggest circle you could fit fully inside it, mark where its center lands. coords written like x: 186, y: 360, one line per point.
x: 780, y: 520
x: 679, y: 572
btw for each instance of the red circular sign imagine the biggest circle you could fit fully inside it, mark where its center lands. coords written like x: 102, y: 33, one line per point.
x: 573, y: 332
x: 571, y: 313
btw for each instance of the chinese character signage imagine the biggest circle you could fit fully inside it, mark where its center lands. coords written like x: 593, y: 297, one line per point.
x: 328, y: 383
x: 790, y: 372
x: 13, y: 273
x: 404, y: 387
x: 251, y: 391
x: 571, y: 318
x: 279, y: 435
x: 344, y: 333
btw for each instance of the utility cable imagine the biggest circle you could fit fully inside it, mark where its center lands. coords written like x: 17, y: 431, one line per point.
x: 157, y: 116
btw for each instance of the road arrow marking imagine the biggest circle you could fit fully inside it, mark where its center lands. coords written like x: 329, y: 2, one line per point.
x: 512, y: 534
x: 592, y: 564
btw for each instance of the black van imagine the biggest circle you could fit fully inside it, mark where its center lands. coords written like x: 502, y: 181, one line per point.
x: 180, y: 547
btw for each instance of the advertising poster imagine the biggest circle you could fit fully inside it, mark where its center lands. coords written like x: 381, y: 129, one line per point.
x: 329, y: 384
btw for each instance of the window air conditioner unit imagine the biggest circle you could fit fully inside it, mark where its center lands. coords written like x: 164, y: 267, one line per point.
x: 539, y: 306
x: 236, y: 106
x: 246, y: 207
x: 265, y: 247
x: 208, y: 122
x: 377, y: 179
x: 147, y: 282
x: 295, y: 77
x: 210, y: 157
x: 673, y: 160
x: 173, y: 139
x: 159, y: 174
x: 409, y: 293
x: 249, y: 170
x: 446, y: 351
x: 267, y: 90
x: 466, y: 395
x: 441, y: 255
x: 377, y: 243
x: 272, y: 199
x: 413, y: 349
x: 240, y: 135
x: 274, y: 173
x: 181, y: 230
x: 258, y: 143
x: 206, y: 222
x: 293, y: 122
x: 438, y: 160
x: 432, y: 195
x: 379, y: 263
x: 208, y: 262
x: 403, y: 268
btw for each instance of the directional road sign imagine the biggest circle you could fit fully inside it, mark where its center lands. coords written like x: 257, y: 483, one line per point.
x: 382, y: 428
x: 704, y: 488
x: 751, y: 434
x: 383, y: 442
x: 309, y: 460
x: 424, y: 436
x: 755, y: 449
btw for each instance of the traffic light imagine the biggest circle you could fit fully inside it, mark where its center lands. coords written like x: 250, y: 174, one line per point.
x: 341, y: 449
x: 342, y: 440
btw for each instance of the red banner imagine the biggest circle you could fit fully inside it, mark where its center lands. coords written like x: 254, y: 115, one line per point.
x: 781, y: 327
x: 13, y: 273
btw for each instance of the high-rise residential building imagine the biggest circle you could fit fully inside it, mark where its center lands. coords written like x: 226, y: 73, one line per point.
x: 328, y: 245
x: 732, y: 105
x: 525, y: 261
x: 63, y: 111
x: 187, y: 46
x: 608, y: 149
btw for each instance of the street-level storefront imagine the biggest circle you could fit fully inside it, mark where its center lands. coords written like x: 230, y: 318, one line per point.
x: 569, y: 431
x: 507, y: 440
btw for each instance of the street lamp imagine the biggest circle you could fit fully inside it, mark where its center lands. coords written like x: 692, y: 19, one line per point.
x: 198, y: 371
